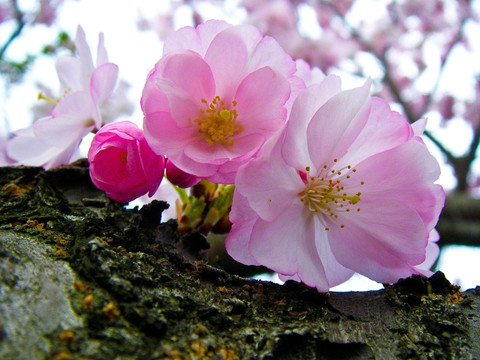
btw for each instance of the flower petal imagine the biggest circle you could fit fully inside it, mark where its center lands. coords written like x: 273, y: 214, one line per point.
x: 405, y: 174
x: 208, y: 30
x: 84, y: 55
x: 384, y: 130
x: 163, y: 134
x: 227, y: 56
x: 102, y: 56
x: 335, y: 273
x: 184, y: 38
x: 317, y: 267
x: 189, y: 72
x: 336, y: 124
x: 186, y: 79
x: 419, y: 127
x: 103, y: 82
x: 275, y: 244
x: 380, y: 241
x: 196, y: 39
x: 238, y: 238
x: 309, y: 75
x: 28, y: 150
x: 268, y: 52
x: 431, y: 254
x: 69, y: 71
x: 153, y: 166
x: 200, y: 151
x: 190, y: 166
x: 218, y: 154
x: 153, y: 98
x: 269, y: 184
x: 261, y: 98
x: 71, y: 120
x: 295, y: 150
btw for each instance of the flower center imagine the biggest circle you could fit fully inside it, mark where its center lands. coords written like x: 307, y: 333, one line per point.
x: 217, y: 123
x: 325, y: 194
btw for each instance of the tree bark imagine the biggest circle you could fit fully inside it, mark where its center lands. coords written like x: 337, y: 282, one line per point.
x: 81, y: 277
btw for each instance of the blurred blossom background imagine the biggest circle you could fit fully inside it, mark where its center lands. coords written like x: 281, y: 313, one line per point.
x: 423, y: 57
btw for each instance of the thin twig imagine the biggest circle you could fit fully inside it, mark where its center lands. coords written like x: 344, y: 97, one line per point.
x: 17, y: 31
x: 455, y: 41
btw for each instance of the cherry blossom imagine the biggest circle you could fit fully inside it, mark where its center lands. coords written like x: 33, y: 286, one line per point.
x: 217, y: 94
x: 48, y: 11
x: 122, y: 164
x: 347, y: 187
x: 85, y: 87
x: 5, y: 12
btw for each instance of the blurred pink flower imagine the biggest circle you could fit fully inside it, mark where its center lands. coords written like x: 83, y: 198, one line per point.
x: 5, y: 12
x: 215, y: 97
x: 472, y: 109
x: 178, y: 177
x: 53, y: 140
x: 346, y: 188
x: 122, y: 164
x: 162, y: 24
x: 326, y: 52
x: 445, y: 107
x: 47, y: 12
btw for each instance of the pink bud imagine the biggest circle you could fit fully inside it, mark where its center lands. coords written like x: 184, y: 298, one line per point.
x: 122, y: 164
x: 179, y: 177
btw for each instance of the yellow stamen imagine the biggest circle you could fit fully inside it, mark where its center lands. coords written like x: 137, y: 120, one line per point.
x: 217, y: 123
x: 326, y: 195
x: 351, y: 199
x: 225, y: 114
x: 41, y: 96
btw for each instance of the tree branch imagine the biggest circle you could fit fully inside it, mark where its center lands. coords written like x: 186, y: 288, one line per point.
x: 86, y: 278
x: 17, y: 31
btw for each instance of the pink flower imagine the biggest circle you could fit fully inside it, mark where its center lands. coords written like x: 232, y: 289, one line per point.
x: 47, y: 12
x: 346, y: 188
x: 179, y: 177
x: 215, y: 97
x: 85, y: 87
x: 122, y: 164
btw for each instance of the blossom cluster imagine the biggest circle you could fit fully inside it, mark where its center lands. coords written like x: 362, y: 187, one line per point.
x: 328, y: 182
x: 410, y: 49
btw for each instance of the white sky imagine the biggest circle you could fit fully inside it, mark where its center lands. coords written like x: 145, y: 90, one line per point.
x: 136, y: 52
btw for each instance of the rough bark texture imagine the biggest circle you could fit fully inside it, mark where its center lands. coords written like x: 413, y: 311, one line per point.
x: 83, y: 278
